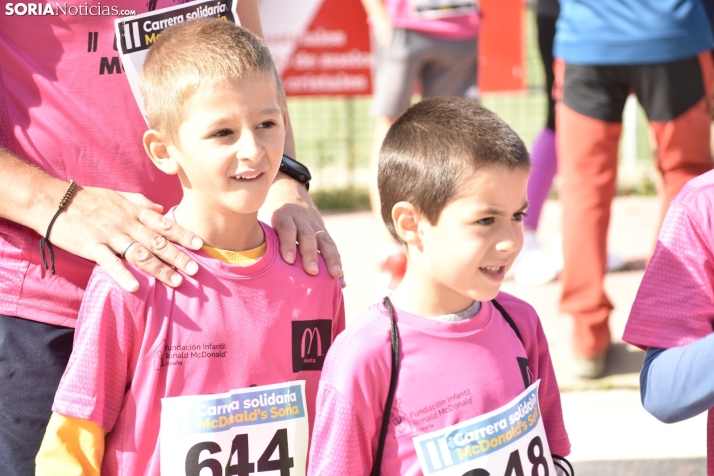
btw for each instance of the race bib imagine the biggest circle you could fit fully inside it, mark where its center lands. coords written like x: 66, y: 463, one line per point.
x: 137, y: 33
x: 430, y: 9
x: 509, y: 441
x: 254, y: 430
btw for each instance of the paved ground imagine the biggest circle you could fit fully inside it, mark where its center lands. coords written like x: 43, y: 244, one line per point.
x: 610, y: 432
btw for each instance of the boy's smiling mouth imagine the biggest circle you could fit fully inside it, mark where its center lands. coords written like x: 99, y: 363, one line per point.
x: 496, y: 273
x: 248, y: 176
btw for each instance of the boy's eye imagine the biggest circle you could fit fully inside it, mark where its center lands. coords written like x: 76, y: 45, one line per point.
x: 222, y: 133
x: 486, y: 221
x: 519, y: 216
x: 266, y: 125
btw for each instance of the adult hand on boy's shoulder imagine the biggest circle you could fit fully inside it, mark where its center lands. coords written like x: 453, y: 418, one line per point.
x: 294, y: 217
x: 99, y: 224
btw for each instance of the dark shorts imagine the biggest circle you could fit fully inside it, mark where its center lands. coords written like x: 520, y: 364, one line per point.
x: 665, y: 90
x: 33, y: 357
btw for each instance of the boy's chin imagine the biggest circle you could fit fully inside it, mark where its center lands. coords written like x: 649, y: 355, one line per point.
x: 484, y: 295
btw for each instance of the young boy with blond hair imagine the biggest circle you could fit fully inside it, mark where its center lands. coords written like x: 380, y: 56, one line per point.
x: 162, y: 380
x: 442, y: 376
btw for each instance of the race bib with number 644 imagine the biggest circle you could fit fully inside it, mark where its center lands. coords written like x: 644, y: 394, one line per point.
x: 242, y: 432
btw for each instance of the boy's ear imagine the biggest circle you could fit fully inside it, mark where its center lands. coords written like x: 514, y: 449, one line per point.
x: 156, y: 146
x: 406, y: 220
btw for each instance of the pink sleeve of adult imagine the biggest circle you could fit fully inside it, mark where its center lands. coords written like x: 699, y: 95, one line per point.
x: 93, y: 385
x: 675, y: 302
x: 340, y: 442
x: 339, y: 306
x: 549, y: 398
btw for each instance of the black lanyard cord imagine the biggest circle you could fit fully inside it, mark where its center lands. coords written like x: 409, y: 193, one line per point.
x: 394, y: 334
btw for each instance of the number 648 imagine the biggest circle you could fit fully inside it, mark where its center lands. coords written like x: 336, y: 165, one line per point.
x: 514, y: 466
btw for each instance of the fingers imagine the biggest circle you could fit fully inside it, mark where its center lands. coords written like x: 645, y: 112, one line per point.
x: 287, y: 235
x: 156, y: 237
x: 308, y: 247
x: 147, y: 261
x: 116, y: 269
x: 328, y: 250
x: 142, y: 201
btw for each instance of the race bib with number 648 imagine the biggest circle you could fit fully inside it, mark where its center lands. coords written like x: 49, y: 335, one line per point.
x: 242, y: 432
x: 509, y: 441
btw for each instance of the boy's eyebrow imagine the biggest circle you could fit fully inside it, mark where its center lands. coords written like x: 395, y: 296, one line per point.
x: 491, y: 210
x: 266, y: 110
x: 271, y: 109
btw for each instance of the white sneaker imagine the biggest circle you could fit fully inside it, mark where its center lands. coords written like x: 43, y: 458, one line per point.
x: 614, y: 262
x: 532, y: 266
x: 535, y: 268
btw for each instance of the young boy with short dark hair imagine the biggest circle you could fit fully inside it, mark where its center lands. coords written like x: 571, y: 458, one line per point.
x: 222, y: 372
x: 464, y: 398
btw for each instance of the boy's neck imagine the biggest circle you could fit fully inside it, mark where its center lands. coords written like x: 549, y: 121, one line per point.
x: 420, y: 295
x: 220, y: 229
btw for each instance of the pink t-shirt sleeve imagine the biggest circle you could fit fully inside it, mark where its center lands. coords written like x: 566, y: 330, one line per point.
x: 536, y: 345
x: 339, y: 430
x: 97, y: 375
x: 675, y: 302
x: 549, y: 399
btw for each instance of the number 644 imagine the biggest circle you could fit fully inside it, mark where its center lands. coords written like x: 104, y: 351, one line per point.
x: 242, y: 465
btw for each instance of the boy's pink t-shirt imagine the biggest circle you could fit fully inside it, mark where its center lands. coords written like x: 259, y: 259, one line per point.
x: 675, y: 302
x: 66, y: 107
x: 462, y: 27
x: 132, y: 349
x: 472, y: 365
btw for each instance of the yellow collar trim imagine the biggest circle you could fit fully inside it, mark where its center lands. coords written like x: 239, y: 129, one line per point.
x: 237, y: 258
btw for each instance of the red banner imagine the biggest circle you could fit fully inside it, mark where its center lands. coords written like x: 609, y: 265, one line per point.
x: 321, y: 47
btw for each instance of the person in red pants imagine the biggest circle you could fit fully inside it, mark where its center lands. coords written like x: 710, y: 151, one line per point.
x: 605, y: 50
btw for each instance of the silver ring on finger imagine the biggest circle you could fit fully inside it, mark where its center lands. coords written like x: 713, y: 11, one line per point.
x: 320, y: 231
x: 126, y: 248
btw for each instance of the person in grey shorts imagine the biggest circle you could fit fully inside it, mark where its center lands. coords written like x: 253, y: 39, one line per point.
x: 442, y: 68
x: 427, y: 42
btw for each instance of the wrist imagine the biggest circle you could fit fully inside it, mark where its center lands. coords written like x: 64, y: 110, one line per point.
x: 43, y: 204
x: 296, y: 171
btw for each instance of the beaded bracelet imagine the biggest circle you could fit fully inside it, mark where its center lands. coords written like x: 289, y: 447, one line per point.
x: 71, y: 190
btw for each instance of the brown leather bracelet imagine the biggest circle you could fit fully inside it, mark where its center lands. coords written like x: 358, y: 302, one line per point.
x: 71, y: 190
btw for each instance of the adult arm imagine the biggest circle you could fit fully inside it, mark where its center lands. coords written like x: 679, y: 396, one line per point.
x: 288, y: 207
x: 677, y: 383
x: 97, y: 224
x: 71, y: 447
x: 381, y: 23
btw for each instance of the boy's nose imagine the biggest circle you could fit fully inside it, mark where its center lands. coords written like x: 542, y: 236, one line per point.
x: 509, y: 242
x: 249, y: 148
